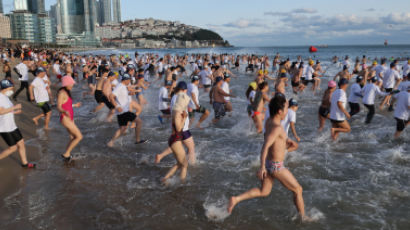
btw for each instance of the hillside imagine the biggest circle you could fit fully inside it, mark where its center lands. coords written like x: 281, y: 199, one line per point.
x: 151, y: 33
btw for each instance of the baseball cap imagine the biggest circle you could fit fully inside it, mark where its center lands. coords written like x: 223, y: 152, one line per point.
x: 26, y: 58
x: 195, y: 78
x: 130, y: 66
x: 40, y: 70
x: 226, y: 76
x: 125, y: 77
x: 293, y: 102
x: 375, y: 79
x: 182, y: 85
x: 359, y: 78
x: 218, y: 79
x: 5, y: 84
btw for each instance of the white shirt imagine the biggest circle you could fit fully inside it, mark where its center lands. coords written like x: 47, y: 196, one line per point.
x: 335, y: 112
x: 186, y: 124
x: 309, y: 73
x: 122, y: 97
x: 290, y: 117
x: 390, y: 77
x: 23, y: 70
x: 40, y: 90
x: 380, y: 70
x: 204, y: 77
x: 252, y: 95
x: 163, y: 93
x: 7, y: 123
x: 225, y: 88
x: 193, y: 89
x: 346, y: 63
x: 406, y: 69
x: 355, y: 89
x: 56, y: 68
x: 403, y: 85
x: 369, y: 93
x: 402, y: 106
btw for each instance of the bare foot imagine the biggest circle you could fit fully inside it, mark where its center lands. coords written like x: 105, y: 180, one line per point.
x: 133, y: 125
x: 232, y: 204
x: 110, y: 144
x: 157, y: 159
x: 192, y: 160
x: 306, y: 219
x: 35, y: 121
x: 198, y: 126
x: 47, y: 128
x: 165, y: 181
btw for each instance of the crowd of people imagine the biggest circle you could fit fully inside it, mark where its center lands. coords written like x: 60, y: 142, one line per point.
x: 119, y: 83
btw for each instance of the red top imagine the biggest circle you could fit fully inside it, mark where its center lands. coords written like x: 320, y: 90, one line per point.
x: 68, y: 106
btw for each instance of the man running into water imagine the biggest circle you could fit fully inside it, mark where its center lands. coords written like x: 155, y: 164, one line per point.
x: 338, y: 113
x: 193, y: 92
x: 38, y: 92
x: 217, y: 99
x: 272, y: 156
x: 343, y: 74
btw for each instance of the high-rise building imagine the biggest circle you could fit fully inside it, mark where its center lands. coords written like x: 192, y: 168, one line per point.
x: 5, y: 26
x: 116, y: 9
x: 90, y: 16
x: 45, y: 29
x: 72, y: 16
x: 36, y: 6
x: 106, y: 11
x: 1, y: 7
x: 20, y: 5
x: 24, y: 26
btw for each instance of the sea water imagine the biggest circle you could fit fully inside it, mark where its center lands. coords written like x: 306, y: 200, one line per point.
x: 360, y: 181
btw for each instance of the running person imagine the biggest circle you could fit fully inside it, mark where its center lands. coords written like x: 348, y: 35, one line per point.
x: 8, y: 129
x: 355, y: 95
x: 338, y: 113
x: 38, y: 92
x: 65, y: 107
x: 193, y: 93
x: 272, y: 160
x: 402, y: 111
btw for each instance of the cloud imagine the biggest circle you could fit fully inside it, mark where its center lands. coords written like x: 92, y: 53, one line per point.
x: 295, y: 11
x: 370, y: 9
x: 310, y: 28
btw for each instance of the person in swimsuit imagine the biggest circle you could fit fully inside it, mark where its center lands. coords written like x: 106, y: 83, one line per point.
x: 8, y: 129
x: 272, y: 156
x: 324, y: 108
x: 258, y: 105
x: 65, y: 107
x: 98, y: 94
x: 179, y: 115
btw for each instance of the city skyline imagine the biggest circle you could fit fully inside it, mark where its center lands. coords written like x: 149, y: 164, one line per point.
x: 263, y: 23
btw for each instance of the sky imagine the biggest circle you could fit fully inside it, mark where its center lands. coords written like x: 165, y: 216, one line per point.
x: 282, y: 23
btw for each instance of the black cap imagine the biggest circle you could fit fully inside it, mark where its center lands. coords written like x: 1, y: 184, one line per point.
x: 182, y: 85
x: 111, y: 74
x: 343, y: 81
x: 293, y: 102
x: 130, y: 66
x: 359, y: 78
x: 218, y: 79
x: 195, y: 78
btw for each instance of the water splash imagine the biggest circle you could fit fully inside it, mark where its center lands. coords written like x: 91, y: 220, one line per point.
x: 216, y: 210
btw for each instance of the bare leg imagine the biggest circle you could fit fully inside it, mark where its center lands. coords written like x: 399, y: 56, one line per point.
x: 258, y: 123
x: 98, y: 108
x: 189, y: 143
x: 117, y: 134
x: 22, y: 151
x: 322, y: 122
x: 290, y: 182
x: 264, y: 191
x: 74, y: 132
x: 138, y: 125
x: 47, y: 120
x: 182, y: 164
x: 164, y: 153
x: 343, y: 127
x: 202, y: 119
x: 110, y: 115
x: 8, y: 151
x: 35, y: 119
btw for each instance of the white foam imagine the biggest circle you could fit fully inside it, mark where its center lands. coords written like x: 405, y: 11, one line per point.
x: 216, y: 211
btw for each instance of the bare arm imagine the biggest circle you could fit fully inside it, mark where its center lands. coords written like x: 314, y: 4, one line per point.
x: 342, y: 108
x: 293, y: 127
x: 10, y: 110
x: 30, y: 89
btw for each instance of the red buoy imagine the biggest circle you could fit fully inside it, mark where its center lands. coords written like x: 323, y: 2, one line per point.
x: 312, y: 49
